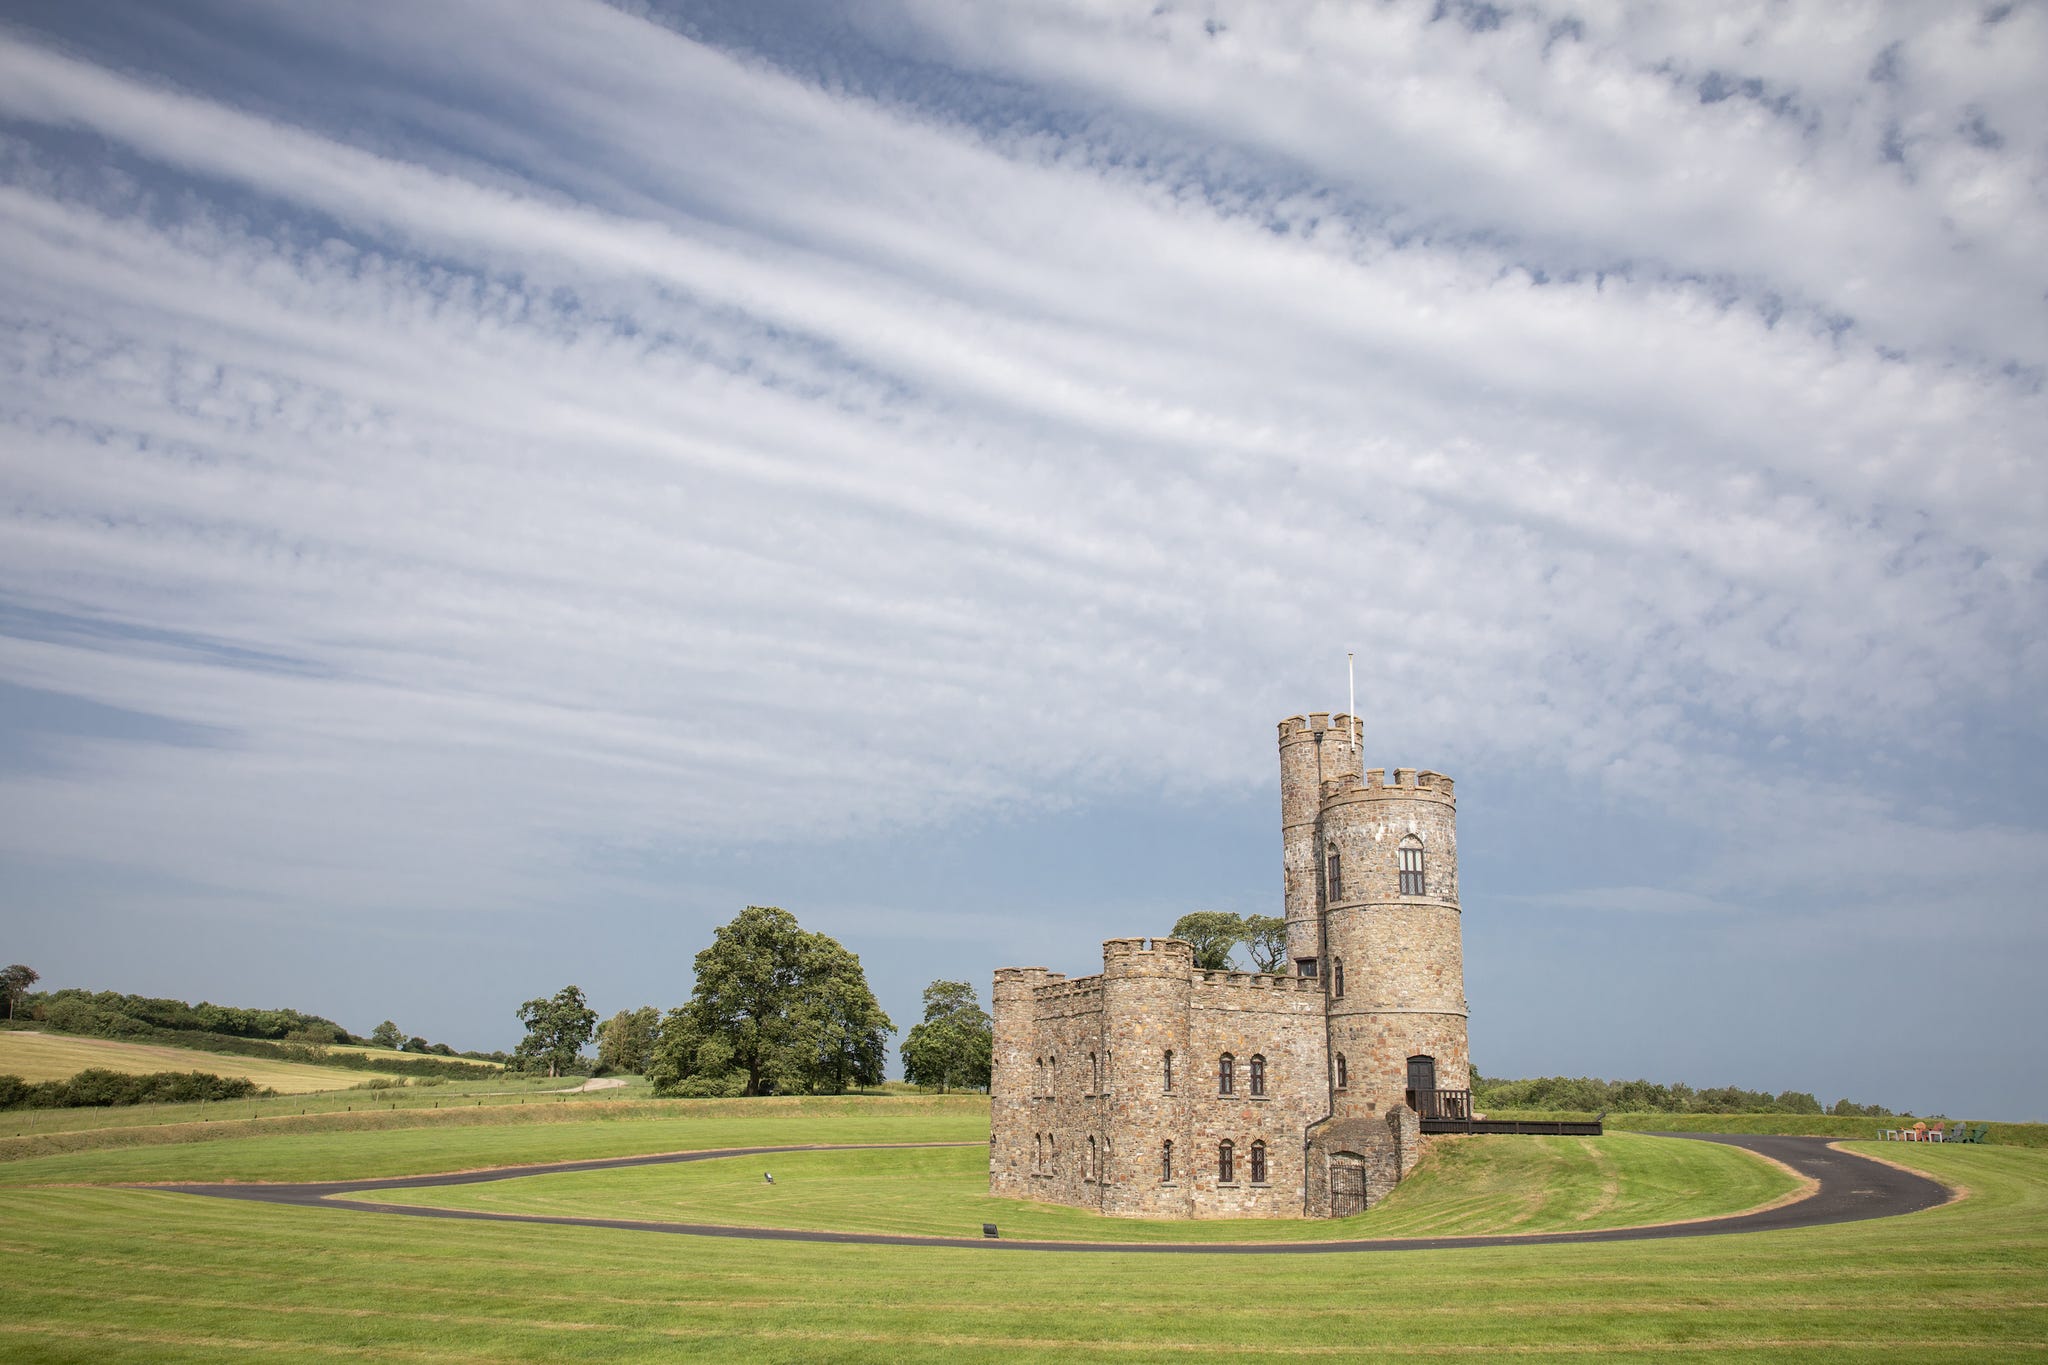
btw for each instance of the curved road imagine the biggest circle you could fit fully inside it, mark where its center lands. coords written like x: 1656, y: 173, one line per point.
x: 1850, y: 1188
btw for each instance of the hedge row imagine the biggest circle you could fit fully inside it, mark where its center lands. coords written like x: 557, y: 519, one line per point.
x: 98, y: 1088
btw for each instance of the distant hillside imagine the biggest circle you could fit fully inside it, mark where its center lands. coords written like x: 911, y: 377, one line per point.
x: 280, y: 1035
x: 56, y: 1057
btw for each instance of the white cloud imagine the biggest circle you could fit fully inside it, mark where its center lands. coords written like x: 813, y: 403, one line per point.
x: 701, y: 452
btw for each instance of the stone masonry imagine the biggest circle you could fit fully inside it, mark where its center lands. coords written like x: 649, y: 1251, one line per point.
x: 1159, y: 1091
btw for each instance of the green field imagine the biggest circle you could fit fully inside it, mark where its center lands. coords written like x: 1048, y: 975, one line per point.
x: 1478, y: 1186
x: 104, y: 1274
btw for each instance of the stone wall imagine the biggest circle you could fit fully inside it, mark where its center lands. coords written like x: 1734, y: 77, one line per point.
x: 1402, y: 954
x: 1279, y: 1019
x: 1314, y: 750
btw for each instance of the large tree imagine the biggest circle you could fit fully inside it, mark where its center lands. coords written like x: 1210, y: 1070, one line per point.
x: 953, y: 1046
x: 1265, y: 938
x: 388, y: 1034
x: 556, y: 1029
x: 1213, y: 933
x: 791, y: 1009
x: 14, y: 984
x: 625, y: 1041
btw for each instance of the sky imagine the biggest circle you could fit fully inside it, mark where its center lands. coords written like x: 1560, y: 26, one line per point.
x: 488, y: 493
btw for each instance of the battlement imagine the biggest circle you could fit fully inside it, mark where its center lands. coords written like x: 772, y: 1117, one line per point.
x: 1147, y: 957
x: 1260, y: 981
x: 1304, y: 729
x: 1080, y: 988
x: 1406, y: 783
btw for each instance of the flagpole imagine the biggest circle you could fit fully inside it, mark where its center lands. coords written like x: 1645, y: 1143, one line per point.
x: 1351, y: 681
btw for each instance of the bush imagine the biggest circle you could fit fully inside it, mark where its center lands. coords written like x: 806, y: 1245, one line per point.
x: 731, y: 1085
x: 378, y: 1083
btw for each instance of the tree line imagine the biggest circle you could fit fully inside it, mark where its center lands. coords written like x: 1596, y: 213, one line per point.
x: 1584, y: 1094
x: 775, y: 1009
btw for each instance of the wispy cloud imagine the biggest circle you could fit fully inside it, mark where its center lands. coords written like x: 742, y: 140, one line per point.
x: 519, y: 442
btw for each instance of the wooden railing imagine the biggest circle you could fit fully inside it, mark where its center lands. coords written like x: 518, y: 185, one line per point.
x: 1441, y: 1104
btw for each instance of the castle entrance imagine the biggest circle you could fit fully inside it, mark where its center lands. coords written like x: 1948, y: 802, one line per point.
x: 1347, y: 1184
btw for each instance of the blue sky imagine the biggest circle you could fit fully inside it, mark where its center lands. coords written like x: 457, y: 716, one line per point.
x: 490, y: 493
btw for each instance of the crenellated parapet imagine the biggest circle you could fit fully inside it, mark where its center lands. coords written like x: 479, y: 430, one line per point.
x: 1256, y: 982
x: 1123, y: 958
x: 1398, y: 784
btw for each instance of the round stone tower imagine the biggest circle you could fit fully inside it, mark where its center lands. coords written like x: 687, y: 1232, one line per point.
x: 1011, y: 1080
x: 1313, y: 751
x: 1395, y: 978
x: 1146, y: 986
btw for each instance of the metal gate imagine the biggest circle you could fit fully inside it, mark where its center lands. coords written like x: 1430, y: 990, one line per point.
x: 1347, y: 1184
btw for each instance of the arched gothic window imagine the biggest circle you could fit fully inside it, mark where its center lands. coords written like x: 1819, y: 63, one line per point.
x: 1258, y: 1075
x: 1258, y: 1163
x: 1226, y: 1162
x: 1038, y: 1151
x: 1411, y: 866
x: 1343, y: 1072
x: 1337, y: 977
x: 1336, y: 876
x: 1166, y: 1161
x: 1226, y: 1075
x: 1169, y: 1068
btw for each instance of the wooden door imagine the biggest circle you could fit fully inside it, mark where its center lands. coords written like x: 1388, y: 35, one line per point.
x: 1422, y: 1085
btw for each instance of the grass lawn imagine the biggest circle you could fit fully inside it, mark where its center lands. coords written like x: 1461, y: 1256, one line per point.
x: 60, y: 1056
x: 375, y: 1141
x: 99, y: 1274
x: 1477, y: 1185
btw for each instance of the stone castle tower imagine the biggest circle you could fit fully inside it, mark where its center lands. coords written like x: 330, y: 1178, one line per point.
x: 1158, y: 1090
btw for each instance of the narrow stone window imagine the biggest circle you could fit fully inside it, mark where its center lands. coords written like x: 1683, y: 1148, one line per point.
x: 1337, y: 977
x: 1094, y: 1075
x: 1093, y: 1168
x: 1166, y: 1162
x: 1226, y: 1162
x: 1258, y: 1163
x: 1343, y: 1073
x: 1052, y: 1152
x: 1169, y: 1068
x: 1258, y: 1075
x: 1411, y: 866
x: 1336, y: 876
x: 1226, y: 1075
x: 1038, y: 1151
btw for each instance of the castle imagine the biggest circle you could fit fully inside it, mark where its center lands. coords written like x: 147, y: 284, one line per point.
x: 1157, y: 1090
